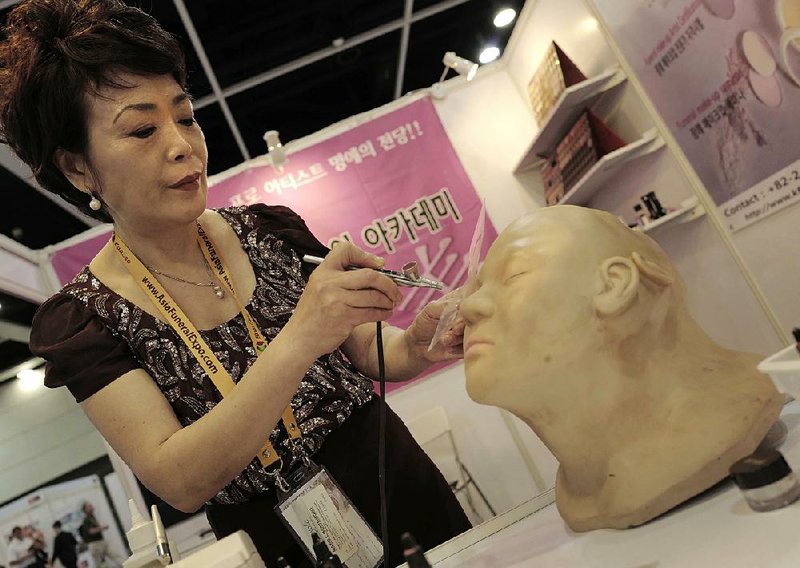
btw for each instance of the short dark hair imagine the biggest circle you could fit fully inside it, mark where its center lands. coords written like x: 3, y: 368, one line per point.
x: 57, y: 525
x: 16, y: 529
x: 56, y: 51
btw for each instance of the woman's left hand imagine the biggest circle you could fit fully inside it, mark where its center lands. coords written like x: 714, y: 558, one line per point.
x: 419, y: 334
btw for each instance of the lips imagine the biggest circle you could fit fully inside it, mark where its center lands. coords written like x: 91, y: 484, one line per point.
x: 187, y: 182
x: 475, y: 342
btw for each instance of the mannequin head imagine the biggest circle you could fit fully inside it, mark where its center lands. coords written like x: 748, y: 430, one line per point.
x: 579, y: 327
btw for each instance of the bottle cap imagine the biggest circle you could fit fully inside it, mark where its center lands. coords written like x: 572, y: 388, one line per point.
x: 760, y: 469
x: 142, y: 532
x: 408, y: 541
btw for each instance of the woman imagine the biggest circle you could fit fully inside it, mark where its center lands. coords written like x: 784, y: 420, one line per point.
x: 93, y: 100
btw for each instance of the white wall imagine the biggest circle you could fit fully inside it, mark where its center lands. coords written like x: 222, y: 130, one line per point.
x: 43, y: 434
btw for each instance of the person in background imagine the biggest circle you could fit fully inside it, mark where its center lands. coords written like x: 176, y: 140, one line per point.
x: 93, y: 98
x: 64, y: 547
x: 20, y: 551
x: 91, y: 532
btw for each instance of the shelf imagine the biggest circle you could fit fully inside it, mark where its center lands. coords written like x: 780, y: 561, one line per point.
x: 689, y: 211
x: 609, y: 166
x: 572, y: 102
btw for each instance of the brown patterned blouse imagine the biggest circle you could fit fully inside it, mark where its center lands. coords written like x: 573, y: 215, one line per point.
x: 90, y: 336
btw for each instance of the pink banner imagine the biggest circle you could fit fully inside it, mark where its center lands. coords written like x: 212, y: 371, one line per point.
x: 393, y: 186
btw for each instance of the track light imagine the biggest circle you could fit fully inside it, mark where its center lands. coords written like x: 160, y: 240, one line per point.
x: 463, y: 67
x: 275, y: 150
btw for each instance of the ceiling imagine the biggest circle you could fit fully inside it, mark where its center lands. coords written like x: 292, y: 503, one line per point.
x: 295, y: 66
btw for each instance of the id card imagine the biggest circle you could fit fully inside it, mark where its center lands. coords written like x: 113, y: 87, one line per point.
x: 317, y: 504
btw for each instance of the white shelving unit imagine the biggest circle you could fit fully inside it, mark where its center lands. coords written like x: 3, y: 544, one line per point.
x: 597, y: 93
x: 689, y: 211
x: 610, y: 166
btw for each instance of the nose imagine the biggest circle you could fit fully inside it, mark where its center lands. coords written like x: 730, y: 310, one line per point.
x: 476, y: 306
x: 179, y: 148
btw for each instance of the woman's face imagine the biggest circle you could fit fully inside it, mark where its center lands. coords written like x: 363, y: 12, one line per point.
x: 146, y: 156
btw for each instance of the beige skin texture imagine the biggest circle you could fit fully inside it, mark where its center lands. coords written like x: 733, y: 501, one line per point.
x: 579, y: 327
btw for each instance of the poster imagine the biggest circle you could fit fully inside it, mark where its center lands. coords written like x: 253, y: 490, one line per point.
x: 725, y: 77
x: 392, y: 186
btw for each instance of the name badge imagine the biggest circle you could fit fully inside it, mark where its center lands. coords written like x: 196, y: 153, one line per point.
x: 316, y: 504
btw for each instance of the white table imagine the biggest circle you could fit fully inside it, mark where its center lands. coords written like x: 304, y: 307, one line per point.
x: 715, y: 529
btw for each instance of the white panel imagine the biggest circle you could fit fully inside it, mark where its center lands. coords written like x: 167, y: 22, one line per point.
x: 490, y: 126
x: 60, y: 430
x: 20, y: 277
x: 17, y: 480
x: 573, y: 28
x: 49, y: 464
x: 13, y: 451
x: 483, y: 440
x: 770, y: 248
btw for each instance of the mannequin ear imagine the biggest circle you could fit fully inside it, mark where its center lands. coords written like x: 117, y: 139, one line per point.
x: 620, y: 278
x: 73, y: 166
x: 652, y: 271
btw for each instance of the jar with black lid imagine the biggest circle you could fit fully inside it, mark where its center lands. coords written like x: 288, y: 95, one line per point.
x: 766, y: 480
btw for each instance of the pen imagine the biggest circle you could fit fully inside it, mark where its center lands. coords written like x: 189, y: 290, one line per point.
x: 408, y: 277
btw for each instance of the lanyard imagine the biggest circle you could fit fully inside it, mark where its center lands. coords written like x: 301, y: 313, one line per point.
x: 191, y: 337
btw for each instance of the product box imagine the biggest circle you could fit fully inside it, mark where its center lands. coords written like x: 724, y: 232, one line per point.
x: 588, y: 140
x: 553, y: 184
x: 554, y: 74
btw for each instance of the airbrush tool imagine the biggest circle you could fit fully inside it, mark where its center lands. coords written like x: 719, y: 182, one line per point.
x: 409, y: 276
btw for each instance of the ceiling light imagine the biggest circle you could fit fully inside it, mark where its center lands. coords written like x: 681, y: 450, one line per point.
x: 275, y: 150
x: 489, y: 54
x: 30, y: 379
x: 504, y: 17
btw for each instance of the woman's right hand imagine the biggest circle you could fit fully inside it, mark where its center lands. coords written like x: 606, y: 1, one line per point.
x: 336, y: 299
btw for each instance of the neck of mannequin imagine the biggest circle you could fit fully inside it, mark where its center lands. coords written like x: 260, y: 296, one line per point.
x: 611, y: 404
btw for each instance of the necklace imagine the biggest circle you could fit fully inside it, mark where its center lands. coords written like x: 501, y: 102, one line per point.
x: 216, y: 288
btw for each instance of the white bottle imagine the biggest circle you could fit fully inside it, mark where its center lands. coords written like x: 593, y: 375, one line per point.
x: 141, y: 540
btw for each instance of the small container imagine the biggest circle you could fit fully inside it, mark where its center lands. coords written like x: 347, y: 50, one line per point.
x: 766, y: 481
x: 641, y: 216
x: 783, y: 368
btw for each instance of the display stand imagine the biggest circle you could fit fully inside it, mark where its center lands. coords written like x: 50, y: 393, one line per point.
x: 596, y: 93
x: 610, y: 166
x: 688, y: 212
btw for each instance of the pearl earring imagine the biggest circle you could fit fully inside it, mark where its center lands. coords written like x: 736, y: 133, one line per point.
x: 94, y: 204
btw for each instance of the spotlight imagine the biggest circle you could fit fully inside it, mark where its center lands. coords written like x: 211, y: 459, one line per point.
x: 30, y: 379
x: 504, y: 17
x: 275, y: 149
x: 489, y: 54
x: 463, y: 67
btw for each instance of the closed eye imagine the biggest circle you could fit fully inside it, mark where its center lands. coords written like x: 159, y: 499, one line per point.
x: 510, y: 278
x: 144, y: 132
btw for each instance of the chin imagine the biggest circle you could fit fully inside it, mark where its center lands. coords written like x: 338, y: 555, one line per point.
x: 479, y: 385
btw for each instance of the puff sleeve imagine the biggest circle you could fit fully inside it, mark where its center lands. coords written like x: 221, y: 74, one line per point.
x: 289, y: 227
x: 81, y: 352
